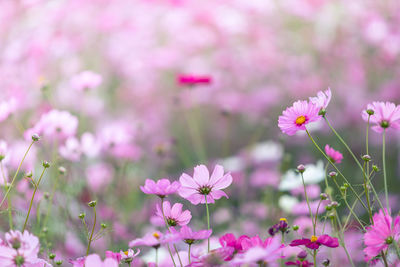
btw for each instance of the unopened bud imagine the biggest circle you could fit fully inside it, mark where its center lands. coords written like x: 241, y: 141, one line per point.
x: 322, y: 112
x: 375, y: 168
x: 333, y: 174
x: 35, y: 137
x: 366, y: 158
x: 46, y: 164
x: 59, y: 262
x: 92, y: 203
x: 295, y: 227
x: 301, y: 168
x: 334, y: 204
x: 326, y: 262
x: 370, y: 112
x: 323, y: 196
x: 82, y: 216
x: 62, y: 170
x: 52, y: 256
x: 103, y: 225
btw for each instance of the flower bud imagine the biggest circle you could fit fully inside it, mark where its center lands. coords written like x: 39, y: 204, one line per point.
x: 375, y: 168
x: 295, y: 227
x: 62, y: 170
x: 334, y: 204
x: 301, y: 168
x: 370, y: 112
x: 346, y: 185
x: 52, y: 256
x: 82, y: 216
x: 59, y: 262
x: 46, y: 195
x: 302, y: 255
x: 2, y: 157
x: 92, y: 203
x: 29, y: 174
x: 35, y: 137
x: 366, y: 158
x: 46, y: 164
x: 45, y: 230
x: 343, y: 189
x: 322, y: 112
x: 103, y: 225
x: 332, y: 174
x: 328, y: 207
x: 323, y: 196
x: 326, y: 262
x: 331, y: 215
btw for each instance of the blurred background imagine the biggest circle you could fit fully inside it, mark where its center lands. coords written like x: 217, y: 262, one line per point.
x: 124, y: 90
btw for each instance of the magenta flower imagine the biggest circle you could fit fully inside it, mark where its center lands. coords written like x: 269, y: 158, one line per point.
x: 322, y: 99
x: 201, y: 185
x: 299, y: 263
x: 114, y: 255
x: 296, y: 117
x: 268, y: 251
x: 162, y: 188
x: 335, y: 156
x: 315, y: 242
x: 174, y: 216
x: 381, y: 234
x: 86, y: 80
x: 386, y: 115
x: 231, y: 245
x: 185, y: 79
x: 127, y: 256
x: 189, y: 236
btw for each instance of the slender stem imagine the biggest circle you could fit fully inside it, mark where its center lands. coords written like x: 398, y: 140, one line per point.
x: 384, y: 169
x: 308, y: 203
x: 208, y: 222
x: 33, y: 196
x: 315, y: 257
x: 91, y: 235
x: 15, y: 175
x: 156, y: 257
x: 189, y: 253
x: 367, y: 193
x: 397, y: 249
x: 344, y: 143
x: 10, y: 218
x: 336, y: 168
x: 316, y: 214
x: 166, y: 223
x: 384, y: 259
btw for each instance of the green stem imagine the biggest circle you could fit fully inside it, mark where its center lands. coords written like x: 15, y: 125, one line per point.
x: 336, y: 168
x: 189, y: 253
x: 343, y: 142
x: 367, y: 193
x: 15, y: 175
x: 208, y: 222
x: 308, y: 203
x: 166, y: 223
x: 10, y: 218
x: 156, y: 257
x: 315, y: 257
x: 91, y: 235
x: 384, y: 259
x: 33, y: 196
x: 384, y: 169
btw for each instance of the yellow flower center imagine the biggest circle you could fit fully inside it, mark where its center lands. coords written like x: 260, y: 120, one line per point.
x: 126, y: 253
x: 283, y: 219
x: 156, y: 235
x: 300, y: 120
x: 314, y: 238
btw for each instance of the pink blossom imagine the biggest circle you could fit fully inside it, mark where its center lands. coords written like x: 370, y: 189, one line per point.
x: 129, y: 254
x: 260, y: 251
x: 231, y: 245
x: 386, y: 116
x: 154, y: 239
x: 296, y: 117
x: 190, y: 236
x: 98, y: 176
x: 316, y: 241
x: 174, y: 215
x: 201, y: 185
x: 71, y: 149
x: 86, y: 80
x: 381, y: 234
x: 54, y: 124
x: 162, y: 188
x: 94, y: 260
x: 322, y: 99
x: 335, y: 156
x: 7, y: 108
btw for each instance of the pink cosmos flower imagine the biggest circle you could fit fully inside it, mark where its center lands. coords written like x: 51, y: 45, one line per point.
x: 54, y: 124
x: 260, y: 251
x: 86, y: 80
x: 315, y: 242
x: 231, y: 245
x: 20, y: 249
x: 71, y: 149
x: 201, y: 185
x: 189, y: 236
x: 154, y: 240
x: 322, y: 99
x: 7, y: 108
x: 296, y: 117
x: 174, y: 215
x: 386, y: 116
x: 114, y: 255
x: 335, y: 156
x: 185, y: 79
x: 381, y: 234
x: 94, y: 260
x: 162, y: 188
